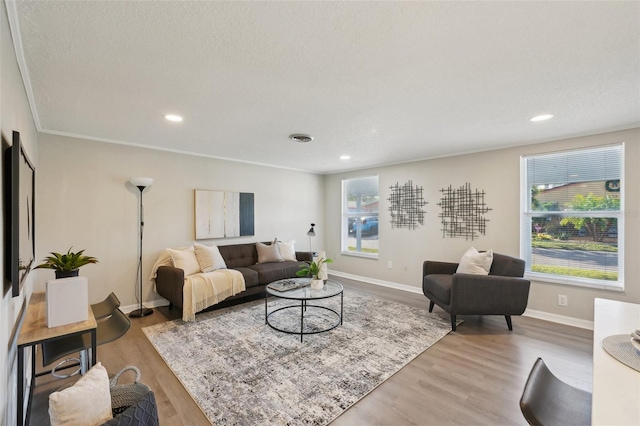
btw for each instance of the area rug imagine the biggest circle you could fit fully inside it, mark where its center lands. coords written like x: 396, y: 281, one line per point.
x: 240, y: 371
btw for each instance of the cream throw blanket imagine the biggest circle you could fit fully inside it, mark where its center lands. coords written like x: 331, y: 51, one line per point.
x: 205, y: 289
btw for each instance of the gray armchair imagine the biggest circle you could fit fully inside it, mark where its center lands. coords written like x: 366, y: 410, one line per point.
x: 502, y: 292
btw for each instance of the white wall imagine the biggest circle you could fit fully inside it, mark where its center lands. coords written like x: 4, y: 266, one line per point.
x: 498, y: 174
x: 14, y: 115
x: 85, y: 202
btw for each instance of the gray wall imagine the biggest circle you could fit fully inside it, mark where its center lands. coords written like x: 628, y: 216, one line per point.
x: 15, y: 114
x: 84, y: 201
x: 498, y: 173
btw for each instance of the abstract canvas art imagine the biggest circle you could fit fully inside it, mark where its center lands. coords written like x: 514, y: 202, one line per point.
x: 223, y: 214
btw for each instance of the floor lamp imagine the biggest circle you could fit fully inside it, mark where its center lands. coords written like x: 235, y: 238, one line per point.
x: 141, y: 183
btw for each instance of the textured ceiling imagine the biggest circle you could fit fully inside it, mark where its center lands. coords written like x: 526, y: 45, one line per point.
x: 383, y: 82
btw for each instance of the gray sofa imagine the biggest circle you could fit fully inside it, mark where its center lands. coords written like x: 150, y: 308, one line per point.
x: 502, y: 292
x: 241, y: 257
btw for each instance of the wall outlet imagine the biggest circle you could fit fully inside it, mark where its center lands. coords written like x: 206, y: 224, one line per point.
x: 389, y: 265
x: 562, y: 300
x: 405, y: 268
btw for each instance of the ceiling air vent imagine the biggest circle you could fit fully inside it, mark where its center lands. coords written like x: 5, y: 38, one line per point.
x: 299, y: 137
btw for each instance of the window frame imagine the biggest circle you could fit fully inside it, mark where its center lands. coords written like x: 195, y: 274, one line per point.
x: 527, y: 214
x: 357, y: 215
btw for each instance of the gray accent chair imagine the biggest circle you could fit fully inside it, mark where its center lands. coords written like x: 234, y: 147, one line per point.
x: 548, y: 401
x: 502, y: 292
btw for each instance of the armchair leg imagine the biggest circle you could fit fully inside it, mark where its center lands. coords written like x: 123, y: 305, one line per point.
x: 453, y: 323
x: 508, y: 318
x: 431, y: 306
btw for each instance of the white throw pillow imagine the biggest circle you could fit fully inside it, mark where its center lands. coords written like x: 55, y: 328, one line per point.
x: 185, y: 260
x: 268, y: 253
x: 86, y: 403
x: 209, y: 257
x: 473, y: 262
x: 287, y: 250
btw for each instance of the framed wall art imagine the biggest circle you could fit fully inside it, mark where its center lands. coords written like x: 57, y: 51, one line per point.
x: 18, y: 213
x: 223, y: 214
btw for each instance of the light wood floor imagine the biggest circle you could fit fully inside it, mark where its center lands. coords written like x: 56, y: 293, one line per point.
x: 473, y: 376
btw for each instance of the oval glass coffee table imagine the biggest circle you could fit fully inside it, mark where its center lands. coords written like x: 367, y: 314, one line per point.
x: 303, y: 294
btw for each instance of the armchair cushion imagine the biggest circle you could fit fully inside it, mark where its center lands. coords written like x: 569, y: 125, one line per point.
x: 439, y: 286
x: 474, y: 262
x: 87, y: 402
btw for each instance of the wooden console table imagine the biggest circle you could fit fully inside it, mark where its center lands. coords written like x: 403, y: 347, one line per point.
x: 33, y: 332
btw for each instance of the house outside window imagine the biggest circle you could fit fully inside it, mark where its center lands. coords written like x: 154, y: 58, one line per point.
x: 360, y: 216
x: 572, y: 222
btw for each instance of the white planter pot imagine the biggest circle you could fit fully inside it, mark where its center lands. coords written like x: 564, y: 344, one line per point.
x: 67, y: 301
x: 317, y: 284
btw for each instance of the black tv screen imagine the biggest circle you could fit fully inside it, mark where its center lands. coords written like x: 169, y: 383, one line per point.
x: 19, y: 213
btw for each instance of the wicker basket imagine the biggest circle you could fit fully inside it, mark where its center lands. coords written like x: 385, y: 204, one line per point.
x: 124, y: 396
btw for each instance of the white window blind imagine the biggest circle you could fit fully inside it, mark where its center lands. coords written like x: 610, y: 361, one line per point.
x: 571, y: 216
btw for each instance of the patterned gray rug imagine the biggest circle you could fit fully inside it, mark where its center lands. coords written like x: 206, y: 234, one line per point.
x: 242, y: 372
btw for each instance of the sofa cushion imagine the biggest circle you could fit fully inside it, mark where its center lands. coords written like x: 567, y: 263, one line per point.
x: 251, y: 278
x: 209, y: 257
x: 439, y: 286
x: 268, y: 253
x: 287, y: 250
x: 239, y: 255
x: 270, y: 272
x: 185, y: 260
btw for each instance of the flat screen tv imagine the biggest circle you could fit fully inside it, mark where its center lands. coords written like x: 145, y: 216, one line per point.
x: 19, y: 213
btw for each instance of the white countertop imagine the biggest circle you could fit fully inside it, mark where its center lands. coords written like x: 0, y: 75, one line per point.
x: 616, y: 387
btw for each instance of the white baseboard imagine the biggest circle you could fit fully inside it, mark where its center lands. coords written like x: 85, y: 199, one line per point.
x: 374, y: 281
x: 150, y: 304
x: 560, y: 319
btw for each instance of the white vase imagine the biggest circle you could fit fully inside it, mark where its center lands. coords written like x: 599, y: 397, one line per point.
x: 317, y: 284
x: 67, y: 301
x: 323, y: 275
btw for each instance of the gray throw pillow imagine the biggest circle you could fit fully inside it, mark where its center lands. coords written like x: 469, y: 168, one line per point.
x: 268, y: 253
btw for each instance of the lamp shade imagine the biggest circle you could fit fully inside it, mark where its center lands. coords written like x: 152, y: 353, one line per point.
x: 312, y: 232
x: 141, y: 181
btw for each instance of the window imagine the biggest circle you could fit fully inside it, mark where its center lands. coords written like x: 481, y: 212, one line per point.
x: 572, y: 226
x: 360, y: 216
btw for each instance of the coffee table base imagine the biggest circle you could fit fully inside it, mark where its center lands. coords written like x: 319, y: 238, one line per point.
x: 303, y: 307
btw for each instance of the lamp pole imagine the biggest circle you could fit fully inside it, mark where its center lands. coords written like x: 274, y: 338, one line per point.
x: 141, y: 184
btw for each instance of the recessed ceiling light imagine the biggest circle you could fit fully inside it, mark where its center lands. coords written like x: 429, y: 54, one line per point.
x: 541, y: 117
x: 345, y: 157
x: 173, y: 117
x: 300, y: 137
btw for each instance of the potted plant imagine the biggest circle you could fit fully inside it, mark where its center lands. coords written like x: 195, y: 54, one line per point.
x: 313, y: 269
x: 66, y: 265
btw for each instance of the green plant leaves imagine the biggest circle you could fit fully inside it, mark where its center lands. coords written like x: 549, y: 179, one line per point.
x: 312, y: 269
x: 66, y: 262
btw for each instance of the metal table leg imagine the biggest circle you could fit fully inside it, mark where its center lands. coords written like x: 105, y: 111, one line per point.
x: 302, y: 308
x: 20, y: 396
